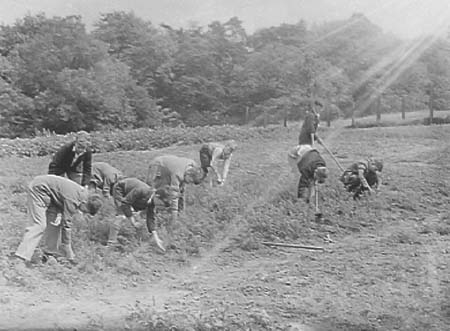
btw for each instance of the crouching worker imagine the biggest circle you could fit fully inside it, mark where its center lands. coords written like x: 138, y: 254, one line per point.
x: 131, y: 194
x: 210, y: 156
x: 103, y: 178
x: 313, y: 171
x: 175, y: 172
x: 361, y: 177
x: 47, y: 196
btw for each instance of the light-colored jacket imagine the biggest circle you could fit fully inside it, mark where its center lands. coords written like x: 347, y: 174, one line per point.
x: 104, y: 176
x: 177, y: 167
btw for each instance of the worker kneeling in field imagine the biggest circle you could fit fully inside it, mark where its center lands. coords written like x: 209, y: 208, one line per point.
x: 313, y: 170
x: 103, y: 177
x: 175, y: 172
x: 361, y: 177
x: 47, y: 196
x: 131, y: 194
x: 211, y: 154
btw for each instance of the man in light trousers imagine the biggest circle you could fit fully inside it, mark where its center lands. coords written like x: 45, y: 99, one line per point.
x: 48, y: 195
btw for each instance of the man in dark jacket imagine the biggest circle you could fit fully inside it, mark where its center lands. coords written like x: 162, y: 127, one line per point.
x: 131, y: 194
x: 308, y: 131
x: 74, y: 160
x: 313, y: 170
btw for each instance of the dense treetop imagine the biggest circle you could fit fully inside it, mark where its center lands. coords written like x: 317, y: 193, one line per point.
x: 128, y: 73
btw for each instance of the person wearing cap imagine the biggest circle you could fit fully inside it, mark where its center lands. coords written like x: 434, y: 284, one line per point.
x: 211, y: 154
x: 48, y: 195
x: 175, y: 172
x: 362, y: 177
x: 131, y: 194
x: 103, y: 178
x: 74, y: 160
x: 313, y: 170
x: 308, y: 131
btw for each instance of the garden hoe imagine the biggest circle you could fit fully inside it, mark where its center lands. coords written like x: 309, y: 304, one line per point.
x: 333, y: 157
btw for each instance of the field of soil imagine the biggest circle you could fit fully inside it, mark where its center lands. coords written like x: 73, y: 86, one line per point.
x: 384, y: 263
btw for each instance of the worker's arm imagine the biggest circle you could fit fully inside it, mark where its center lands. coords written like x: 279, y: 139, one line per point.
x: 214, y: 163
x: 363, y: 180
x: 126, y: 204
x: 226, y: 168
x: 151, y: 224
x: 316, y: 137
x: 378, y: 182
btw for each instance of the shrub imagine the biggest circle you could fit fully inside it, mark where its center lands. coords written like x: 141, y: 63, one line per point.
x: 138, y: 139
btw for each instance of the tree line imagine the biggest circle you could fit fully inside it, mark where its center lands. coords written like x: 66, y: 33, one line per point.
x: 128, y: 73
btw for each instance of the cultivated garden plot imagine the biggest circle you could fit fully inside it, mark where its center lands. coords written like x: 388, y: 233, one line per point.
x: 384, y: 265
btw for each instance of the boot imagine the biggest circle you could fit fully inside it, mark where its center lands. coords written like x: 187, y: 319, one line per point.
x: 112, y: 236
x: 68, y: 252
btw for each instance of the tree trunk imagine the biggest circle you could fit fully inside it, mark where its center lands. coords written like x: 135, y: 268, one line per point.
x: 378, y: 110
x: 285, y: 118
x: 403, y: 107
x: 246, y: 114
x: 430, y: 106
x: 353, y: 117
x: 328, y: 114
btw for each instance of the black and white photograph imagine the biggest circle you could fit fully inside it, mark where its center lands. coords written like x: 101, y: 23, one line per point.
x: 222, y: 165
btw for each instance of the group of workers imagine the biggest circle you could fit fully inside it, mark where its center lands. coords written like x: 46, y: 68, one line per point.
x: 358, y: 178
x: 73, y: 183
x: 76, y: 185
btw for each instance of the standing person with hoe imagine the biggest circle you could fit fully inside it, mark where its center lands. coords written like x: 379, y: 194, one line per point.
x: 307, y: 138
x: 308, y: 131
x: 211, y: 154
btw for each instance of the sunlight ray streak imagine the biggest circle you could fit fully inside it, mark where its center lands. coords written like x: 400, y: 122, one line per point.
x: 349, y: 24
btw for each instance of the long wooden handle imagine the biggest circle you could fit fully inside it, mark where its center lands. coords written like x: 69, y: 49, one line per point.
x: 292, y: 245
x: 333, y: 157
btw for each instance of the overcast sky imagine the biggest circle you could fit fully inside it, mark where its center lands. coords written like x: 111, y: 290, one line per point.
x: 405, y: 18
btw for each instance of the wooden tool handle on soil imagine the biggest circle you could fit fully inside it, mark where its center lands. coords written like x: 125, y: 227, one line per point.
x: 293, y: 246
